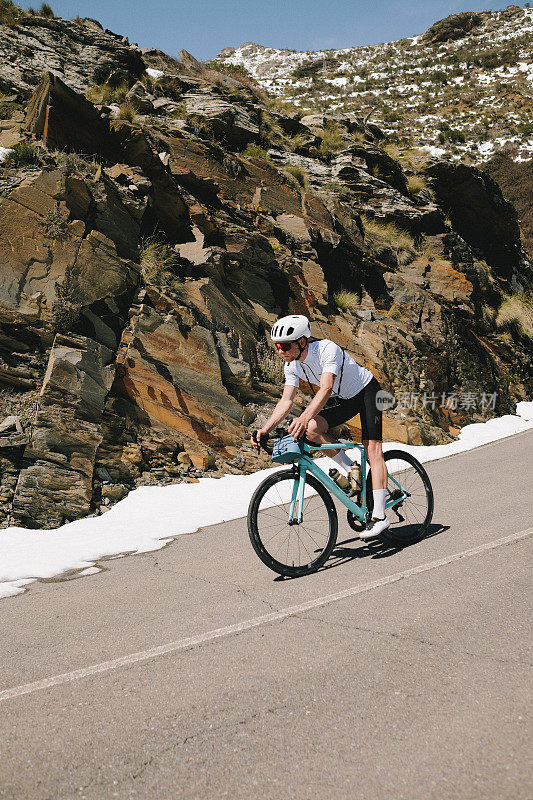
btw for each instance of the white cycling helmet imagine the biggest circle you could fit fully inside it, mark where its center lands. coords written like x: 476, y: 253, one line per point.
x: 291, y: 328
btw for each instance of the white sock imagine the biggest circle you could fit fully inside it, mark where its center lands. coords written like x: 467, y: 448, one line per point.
x: 342, y: 461
x: 379, y: 495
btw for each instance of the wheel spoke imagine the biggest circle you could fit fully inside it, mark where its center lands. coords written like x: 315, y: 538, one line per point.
x: 302, y: 546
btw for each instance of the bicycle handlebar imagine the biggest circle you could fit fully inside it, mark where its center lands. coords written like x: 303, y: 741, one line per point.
x: 278, y: 433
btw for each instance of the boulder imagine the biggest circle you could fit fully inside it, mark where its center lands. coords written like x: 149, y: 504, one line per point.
x: 456, y: 26
x: 230, y: 123
x: 65, y: 435
x: 48, y: 494
x: 140, y: 99
x: 77, y: 52
x: 65, y: 119
x: 169, y: 209
x: 169, y: 367
x: 479, y: 213
x: 50, y: 265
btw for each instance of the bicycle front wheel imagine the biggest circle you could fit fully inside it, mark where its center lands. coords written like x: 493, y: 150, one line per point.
x: 293, y: 549
x: 409, y: 517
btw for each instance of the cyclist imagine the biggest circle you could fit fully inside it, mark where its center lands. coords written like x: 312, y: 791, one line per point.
x: 345, y: 389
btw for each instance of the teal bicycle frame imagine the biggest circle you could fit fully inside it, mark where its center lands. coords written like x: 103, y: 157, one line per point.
x: 305, y: 463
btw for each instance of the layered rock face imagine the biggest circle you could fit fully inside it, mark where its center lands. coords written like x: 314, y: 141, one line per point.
x: 143, y: 261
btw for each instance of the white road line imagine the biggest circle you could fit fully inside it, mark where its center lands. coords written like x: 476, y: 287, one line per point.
x: 239, y: 627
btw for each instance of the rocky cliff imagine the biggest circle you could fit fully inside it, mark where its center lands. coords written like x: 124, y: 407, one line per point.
x: 156, y: 216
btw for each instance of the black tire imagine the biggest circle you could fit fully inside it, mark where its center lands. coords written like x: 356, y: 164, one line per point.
x: 281, y: 546
x: 411, y: 519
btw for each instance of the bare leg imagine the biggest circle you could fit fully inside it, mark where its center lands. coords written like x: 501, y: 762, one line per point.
x: 374, y: 451
x: 316, y: 433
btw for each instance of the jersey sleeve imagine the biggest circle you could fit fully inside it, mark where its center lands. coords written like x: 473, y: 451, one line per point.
x: 291, y: 377
x: 331, y: 358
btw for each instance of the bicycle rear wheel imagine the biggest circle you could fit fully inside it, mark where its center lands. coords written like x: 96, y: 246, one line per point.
x: 410, y: 517
x: 294, y: 549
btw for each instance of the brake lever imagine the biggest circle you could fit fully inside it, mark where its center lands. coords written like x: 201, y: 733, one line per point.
x: 262, y: 441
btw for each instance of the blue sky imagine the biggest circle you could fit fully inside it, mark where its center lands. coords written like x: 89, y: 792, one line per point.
x: 204, y: 27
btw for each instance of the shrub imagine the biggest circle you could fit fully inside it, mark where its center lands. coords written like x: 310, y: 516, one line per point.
x: 7, y: 109
x: 68, y: 306
x: 346, y: 300
x: 516, y: 181
x: 310, y: 69
x: 179, y: 113
x: 358, y: 137
x: 525, y: 129
x: 199, y: 125
x: 24, y: 154
x: 254, y: 151
x: 46, y: 11
x: 294, y: 143
x: 241, y: 74
x: 448, y: 134
x: 9, y: 13
x: 286, y: 107
x: 268, y: 365
x: 127, y: 111
x: 155, y: 257
x: 271, y: 131
x: 517, y: 312
x: 54, y: 225
x: 439, y: 76
x: 234, y: 70
x: 103, y: 93
x: 331, y: 141
x: 298, y: 173
x: 334, y: 187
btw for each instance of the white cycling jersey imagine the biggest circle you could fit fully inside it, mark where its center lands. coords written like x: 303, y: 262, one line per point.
x: 326, y: 356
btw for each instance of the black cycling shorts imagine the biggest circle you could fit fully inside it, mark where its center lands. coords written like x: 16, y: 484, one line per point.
x: 363, y: 403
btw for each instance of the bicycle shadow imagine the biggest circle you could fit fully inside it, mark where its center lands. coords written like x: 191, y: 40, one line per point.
x: 377, y: 548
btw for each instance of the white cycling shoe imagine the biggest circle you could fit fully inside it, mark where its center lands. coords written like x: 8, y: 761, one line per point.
x: 373, y: 529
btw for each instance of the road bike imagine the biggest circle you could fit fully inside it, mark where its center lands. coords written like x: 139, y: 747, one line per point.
x: 292, y: 518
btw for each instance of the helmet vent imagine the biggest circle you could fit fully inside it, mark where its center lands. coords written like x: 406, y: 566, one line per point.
x: 289, y: 331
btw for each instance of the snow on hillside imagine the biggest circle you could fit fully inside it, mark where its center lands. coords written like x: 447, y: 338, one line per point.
x: 151, y: 516
x: 471, y: 96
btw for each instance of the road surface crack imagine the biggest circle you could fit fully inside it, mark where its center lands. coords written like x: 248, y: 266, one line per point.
x: 413, y: 639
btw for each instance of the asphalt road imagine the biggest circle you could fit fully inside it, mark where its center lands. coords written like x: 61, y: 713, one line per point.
x: 192, y: 673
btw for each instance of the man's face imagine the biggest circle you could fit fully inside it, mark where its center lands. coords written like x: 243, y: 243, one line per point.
x: 289, y: 351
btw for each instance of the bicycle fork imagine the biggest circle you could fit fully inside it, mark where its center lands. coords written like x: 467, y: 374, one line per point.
x: 298, y: 490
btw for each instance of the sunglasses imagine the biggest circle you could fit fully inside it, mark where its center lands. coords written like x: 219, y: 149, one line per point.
x: 284, y: 346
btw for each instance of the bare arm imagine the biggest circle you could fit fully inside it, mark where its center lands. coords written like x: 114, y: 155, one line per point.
x: 281, y: 410
x: 299, y: 425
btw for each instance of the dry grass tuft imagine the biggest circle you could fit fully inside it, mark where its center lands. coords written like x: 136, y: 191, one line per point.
x: 255, y: 151
x: 298, y: 173
x: 24, y: 154
x: 416, y: 183
x: 127, y: 111
x: 380, y: 235
x: 155, y: 257
x: 346, y: 300
x: 517, y: 312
